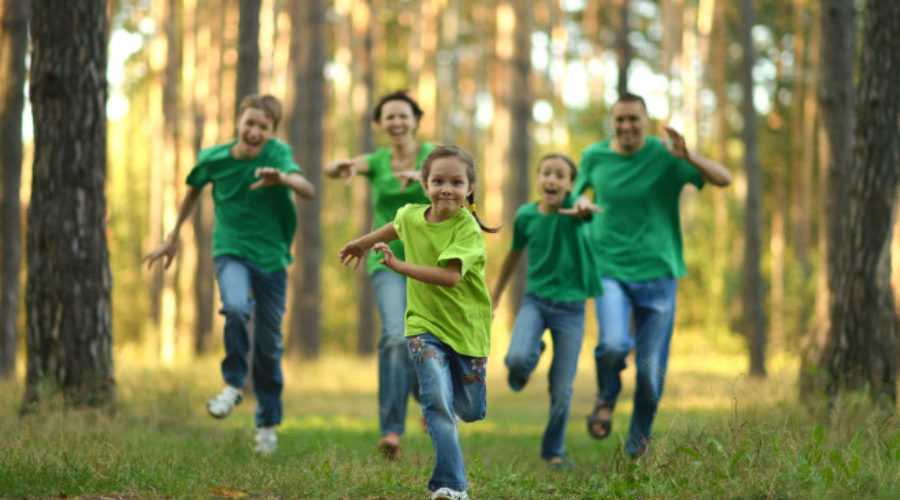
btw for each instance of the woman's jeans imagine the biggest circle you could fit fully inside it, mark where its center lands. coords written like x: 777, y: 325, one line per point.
x: 396, y: 375
x: 449, y: 384
x: 652, y: 303
x: 238, y: 280
x: 566, y: 323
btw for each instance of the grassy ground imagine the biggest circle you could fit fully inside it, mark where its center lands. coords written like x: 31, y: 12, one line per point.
x: 717, y: 435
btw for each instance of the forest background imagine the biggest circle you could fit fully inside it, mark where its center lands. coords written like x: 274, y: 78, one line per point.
x: 507, y: 81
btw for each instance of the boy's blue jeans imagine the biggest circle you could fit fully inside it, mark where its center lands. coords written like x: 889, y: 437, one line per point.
x: 396, y: 375
x: 653, y: 304
x: 566, y: 323
x: 449, y: 384
x: 238, y: 278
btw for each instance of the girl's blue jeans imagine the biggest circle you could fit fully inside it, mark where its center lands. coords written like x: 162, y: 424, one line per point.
x: 449, y: 384
x: 245, y: 288
x: 396, y: 375
x: 652, y: 303
x: 566, y: 323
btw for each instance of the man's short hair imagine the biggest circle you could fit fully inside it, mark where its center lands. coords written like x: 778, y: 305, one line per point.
x: 627, y: 97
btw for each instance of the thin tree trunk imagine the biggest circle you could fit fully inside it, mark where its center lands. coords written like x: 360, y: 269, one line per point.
x: 248, y: 51
x: 13, y: 45
x: 753, y: 283
x: 307, y: 63
x: 69, y: 329
x: 861, y: 353
x: 623, y: 46
x: 365, y: 324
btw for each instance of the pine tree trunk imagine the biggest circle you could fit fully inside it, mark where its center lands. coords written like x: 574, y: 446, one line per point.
x: 307, y: 62
x: 519, y: 155
x: 753, y: 283
x: 623, y: 46
x: 69, y: 332
x: 13, y: 45
x: 861, y: 353
x: 248, y: 51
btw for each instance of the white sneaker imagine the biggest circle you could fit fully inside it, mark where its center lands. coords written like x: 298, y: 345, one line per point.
x: 221, y: 404
x: 266, y: 441
x: 448, y: 494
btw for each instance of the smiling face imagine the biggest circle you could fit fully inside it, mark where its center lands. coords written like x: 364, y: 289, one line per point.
x: 447, y: 186
x: 629, y: 121
x: 254, y: 130
x: 398, y: 121
x: 555, y: 181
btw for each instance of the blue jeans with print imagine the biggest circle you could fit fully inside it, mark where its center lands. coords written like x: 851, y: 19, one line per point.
x: 566, y: 323
x: 449, y: 384
x: 396, y: 375
x: 245, y: 288
x: 652, y: 303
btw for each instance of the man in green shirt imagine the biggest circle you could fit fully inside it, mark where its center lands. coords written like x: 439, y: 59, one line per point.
x: 252, y: 177
x: 637, y: 181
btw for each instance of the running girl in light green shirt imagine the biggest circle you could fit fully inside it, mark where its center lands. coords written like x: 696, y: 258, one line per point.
x: 448, y: 314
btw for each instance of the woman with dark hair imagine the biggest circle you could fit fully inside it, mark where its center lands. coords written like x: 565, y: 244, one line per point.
x: 393, y: 172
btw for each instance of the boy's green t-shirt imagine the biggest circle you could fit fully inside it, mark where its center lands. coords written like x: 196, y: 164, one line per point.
x: 387, y: 197
x: 637, y: 236
x: 561, y: 265
x: 460, y: 316
x: 257, y: 225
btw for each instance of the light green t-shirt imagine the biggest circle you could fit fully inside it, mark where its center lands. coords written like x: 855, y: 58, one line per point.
x: 387, y: 197
x: 257, y: 225
x: 561, y: 265
x: 459, y: 316
x: 637, y: 237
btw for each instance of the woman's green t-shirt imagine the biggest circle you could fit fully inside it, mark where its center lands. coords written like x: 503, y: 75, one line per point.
x: 387, y: 197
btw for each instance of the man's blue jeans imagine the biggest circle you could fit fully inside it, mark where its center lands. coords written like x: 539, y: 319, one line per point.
x: 449, y: 384
x: 652, y: 303
x: 566, y: 323
x: 396, y: 375
x: 238, y: 279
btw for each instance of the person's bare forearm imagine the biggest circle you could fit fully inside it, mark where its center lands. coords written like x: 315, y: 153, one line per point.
x: 385, y: 234
x: 506, y: 270
x: 448, y: 276
x: 299, y: 185
x: 185, y: 208
x: 713, y: 172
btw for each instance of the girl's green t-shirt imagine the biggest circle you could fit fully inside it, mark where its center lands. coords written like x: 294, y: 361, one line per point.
x: 387, y: 197
x: 561, y: 265
x: 460, y: 316
x: 637, y: 236
x: 257, y: 225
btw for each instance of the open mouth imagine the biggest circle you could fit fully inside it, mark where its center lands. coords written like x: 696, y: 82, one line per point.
x: 551, y: 191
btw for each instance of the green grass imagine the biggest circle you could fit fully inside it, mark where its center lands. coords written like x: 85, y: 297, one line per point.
x: 717, y: 435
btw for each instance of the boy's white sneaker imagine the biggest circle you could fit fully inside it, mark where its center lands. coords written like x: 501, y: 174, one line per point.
x: 221, y: 404
x: 449, y: 494
x: 266, y: 441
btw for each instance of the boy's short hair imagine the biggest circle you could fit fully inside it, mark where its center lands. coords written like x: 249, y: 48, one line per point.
x: 268, y: 104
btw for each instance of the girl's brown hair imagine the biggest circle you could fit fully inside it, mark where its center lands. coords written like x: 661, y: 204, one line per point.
x: 573, y: 170
x: 451, y: 151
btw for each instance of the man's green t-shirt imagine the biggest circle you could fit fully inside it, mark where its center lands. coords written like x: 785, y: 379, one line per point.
x: 460, y: 316
x: 561, y: 265
x: 387, y: 197
x: 257, y: 225
x: 637, y: 236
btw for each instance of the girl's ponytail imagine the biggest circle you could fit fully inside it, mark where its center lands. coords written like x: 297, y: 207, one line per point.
x: 471, y: 200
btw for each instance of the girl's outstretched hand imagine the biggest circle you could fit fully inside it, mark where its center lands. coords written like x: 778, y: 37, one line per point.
x: 268, y: 176
x: 388, y: 260
x: 583, y: 207
x: 352, y: 251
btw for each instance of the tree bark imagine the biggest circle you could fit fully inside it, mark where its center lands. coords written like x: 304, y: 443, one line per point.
x: 13, y: 45
x: 248, y: 51
x: 861, y: 353
x: 69, y: 331
x: 753, y: 283
x: 307, y: 62
x: 519, y: 154
x: 623, y: 46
